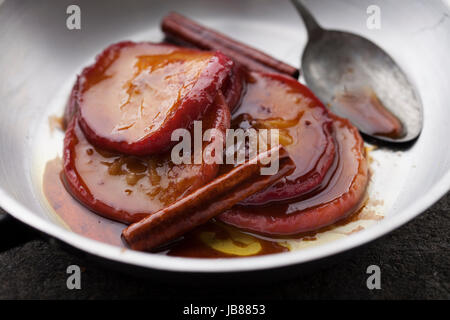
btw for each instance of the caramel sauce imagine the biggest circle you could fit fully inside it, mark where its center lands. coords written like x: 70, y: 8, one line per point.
x: 147, y: 184
x: 359, y: 213
x: 365, y: 110
x: 338, y: 179
x: 212, y: 240
x: 128, y: 188
x: 341, y: 193
x: 138, y: 90
x: 304, y: 127
x: 55, y: 123
x: 216, y: 240
x: 86, y: 223
x: 136, y: 185
x: 275, y: 105
x: 74, y: 215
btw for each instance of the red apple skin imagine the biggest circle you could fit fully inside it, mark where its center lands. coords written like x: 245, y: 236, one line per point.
x: 111, y: 202
x: 275, y: 99
x: 342, y: 194
x: 212, y: 79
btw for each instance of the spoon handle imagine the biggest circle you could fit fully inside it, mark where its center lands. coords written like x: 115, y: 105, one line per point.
x: 308, y: 19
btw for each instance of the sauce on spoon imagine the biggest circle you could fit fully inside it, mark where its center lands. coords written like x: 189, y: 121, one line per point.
x: 365, y: 110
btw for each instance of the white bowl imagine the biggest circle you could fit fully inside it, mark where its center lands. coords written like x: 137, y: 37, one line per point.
x: 40, y: 58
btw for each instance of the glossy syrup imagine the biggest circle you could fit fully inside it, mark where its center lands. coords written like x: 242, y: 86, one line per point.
x: 215, y: 239
x: 367, y: 112
x: 212, y: 240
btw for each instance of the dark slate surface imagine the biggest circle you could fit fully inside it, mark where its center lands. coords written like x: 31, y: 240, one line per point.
x: 414, y: 261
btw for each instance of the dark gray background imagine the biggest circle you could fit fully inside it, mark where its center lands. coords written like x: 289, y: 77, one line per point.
x: 414, y: 262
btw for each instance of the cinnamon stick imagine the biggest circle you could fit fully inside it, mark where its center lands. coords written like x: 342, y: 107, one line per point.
x: 206, y: 203
x: 182, y: 30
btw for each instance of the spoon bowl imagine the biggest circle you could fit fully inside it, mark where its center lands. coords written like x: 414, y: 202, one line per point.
x: 336, y: 62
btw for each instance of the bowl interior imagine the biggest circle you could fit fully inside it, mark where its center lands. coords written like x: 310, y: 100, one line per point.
x: 41, y: 57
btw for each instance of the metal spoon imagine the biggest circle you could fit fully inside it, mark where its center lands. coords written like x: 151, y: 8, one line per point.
x: 334, y: 62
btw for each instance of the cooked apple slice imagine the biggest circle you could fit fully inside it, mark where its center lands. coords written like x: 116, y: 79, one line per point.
x: 340, y: 194
x: 278, y: 102
x: 235, y: 87
x: 128, y: 188
x: 136, y: 94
